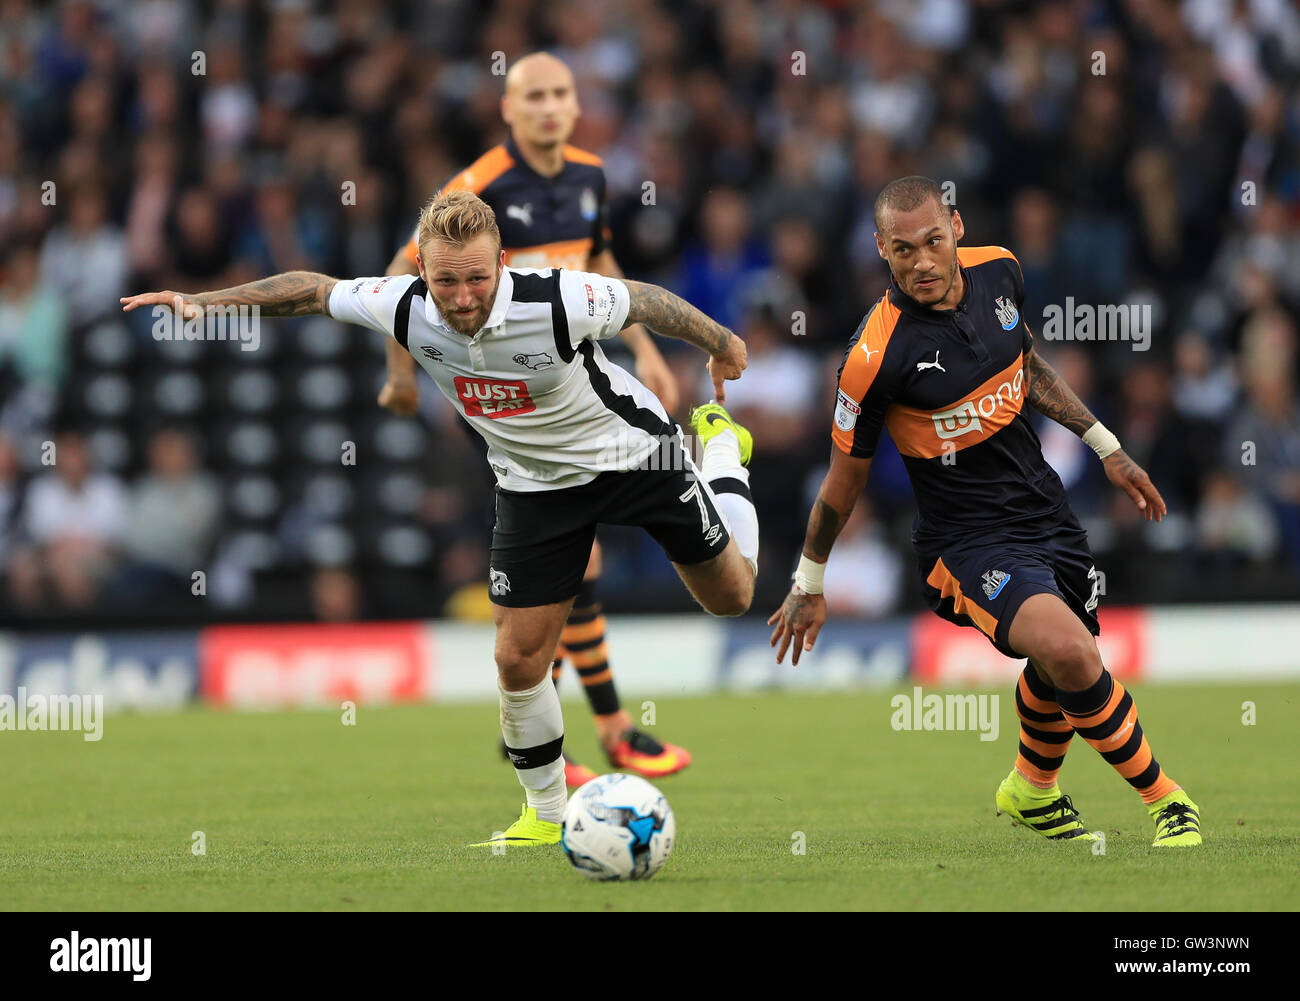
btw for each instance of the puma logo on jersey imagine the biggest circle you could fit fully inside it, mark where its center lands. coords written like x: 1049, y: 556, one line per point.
x: 432, y: 352
x: 868, y: 352
x: 500, y: 582
x: 524, y: 213
x: 533, y: 361
x: 921, y: 366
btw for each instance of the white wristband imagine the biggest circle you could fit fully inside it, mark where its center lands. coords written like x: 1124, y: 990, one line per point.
x: 809, y: 576
x: 1100, y: 440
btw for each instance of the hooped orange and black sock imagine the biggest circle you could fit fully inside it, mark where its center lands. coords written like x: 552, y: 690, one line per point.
x: 1105, y: 716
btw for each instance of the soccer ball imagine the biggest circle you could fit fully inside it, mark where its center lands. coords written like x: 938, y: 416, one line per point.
x: 618, y: 827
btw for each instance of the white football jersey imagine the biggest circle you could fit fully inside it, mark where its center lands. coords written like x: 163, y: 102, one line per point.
x: 533, y: 381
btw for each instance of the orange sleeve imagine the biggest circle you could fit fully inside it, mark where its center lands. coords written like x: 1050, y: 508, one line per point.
x: 863, y: 397
x: 476, y: 177
x: 410, y: 250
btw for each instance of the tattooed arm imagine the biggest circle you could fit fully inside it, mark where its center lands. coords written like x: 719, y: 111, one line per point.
x: 651, y: 368
x: 673, y: 316
x: 294, y: 293
x: 839, y: 492
x: 801, y: 617
x: 1050, y: 396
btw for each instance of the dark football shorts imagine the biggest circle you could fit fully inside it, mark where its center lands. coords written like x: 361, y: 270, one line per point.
x: 983, y: 583
x: 542, y: 540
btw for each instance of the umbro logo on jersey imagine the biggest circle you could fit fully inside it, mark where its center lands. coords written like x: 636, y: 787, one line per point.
x: 1008, y: 315
x: 534, y: 361
x: 524, y: 213
x: 432, y: 352
x: 493, y: 398
x: 994, y: 582
x: 921, y: 366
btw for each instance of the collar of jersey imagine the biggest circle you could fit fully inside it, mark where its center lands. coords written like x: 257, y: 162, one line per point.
x: 513, y: 149
x: 911, y: 307
x: 505, y: 291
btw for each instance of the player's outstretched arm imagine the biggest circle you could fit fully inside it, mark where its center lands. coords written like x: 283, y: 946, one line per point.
x: 673, y: 316
x: 400, y: 394
x: 1050, y: 396
x: 801, y: 617
x: 294, y: 293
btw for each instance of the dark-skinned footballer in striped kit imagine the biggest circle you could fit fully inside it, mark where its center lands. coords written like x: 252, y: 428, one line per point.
x: 945, y: 362
x: 573, y: 440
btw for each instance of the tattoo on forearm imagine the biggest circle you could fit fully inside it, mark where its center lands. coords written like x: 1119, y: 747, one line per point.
x: 669, y: 314
x: 1050, y: 396
x: 824, y: 526
x: 294, y: 293
x: 1123, y: 466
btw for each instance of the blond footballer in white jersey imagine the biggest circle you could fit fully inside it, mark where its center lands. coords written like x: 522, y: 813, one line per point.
x: 533, y: 381
x: 517, y: 352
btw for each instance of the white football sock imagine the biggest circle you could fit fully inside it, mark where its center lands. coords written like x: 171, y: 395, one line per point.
x: 533, y: 728
x: 728, y: 481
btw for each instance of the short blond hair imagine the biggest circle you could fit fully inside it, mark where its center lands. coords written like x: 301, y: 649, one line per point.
x: 456, y: 217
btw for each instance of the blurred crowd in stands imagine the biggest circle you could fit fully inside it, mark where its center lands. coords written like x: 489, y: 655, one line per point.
x: 1142, y: 152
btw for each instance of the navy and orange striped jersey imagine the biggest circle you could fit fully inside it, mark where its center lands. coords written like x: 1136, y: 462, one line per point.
x: 949, y: 386
x: 545, y: 222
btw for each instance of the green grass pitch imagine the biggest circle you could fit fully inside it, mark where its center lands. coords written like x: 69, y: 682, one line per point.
x: 301, y: 812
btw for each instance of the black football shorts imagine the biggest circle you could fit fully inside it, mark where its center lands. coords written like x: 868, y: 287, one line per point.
x: 542, y: 540
x: 983, y: 583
